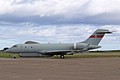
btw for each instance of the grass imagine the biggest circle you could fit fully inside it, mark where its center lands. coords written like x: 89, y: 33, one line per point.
x: 7, y: 55
x: 90, y: 55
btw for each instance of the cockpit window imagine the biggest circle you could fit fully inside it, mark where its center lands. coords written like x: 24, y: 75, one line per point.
x: 15, y: 46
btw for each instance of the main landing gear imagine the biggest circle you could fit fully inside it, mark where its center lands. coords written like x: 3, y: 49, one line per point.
x: 62, y: 56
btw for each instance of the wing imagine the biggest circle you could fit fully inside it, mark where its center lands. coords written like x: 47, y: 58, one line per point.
x: 54, y: 52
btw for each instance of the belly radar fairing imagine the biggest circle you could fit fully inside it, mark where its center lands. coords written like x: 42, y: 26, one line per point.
x: 34, y: 49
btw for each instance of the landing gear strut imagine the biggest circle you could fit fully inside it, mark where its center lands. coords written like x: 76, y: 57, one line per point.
x: 62, y: 56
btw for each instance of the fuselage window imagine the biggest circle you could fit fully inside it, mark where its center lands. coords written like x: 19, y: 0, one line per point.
x: 31, y: 47
x: 25, y: 47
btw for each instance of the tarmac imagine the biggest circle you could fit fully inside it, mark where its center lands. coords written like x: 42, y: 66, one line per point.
x: 60, y: 69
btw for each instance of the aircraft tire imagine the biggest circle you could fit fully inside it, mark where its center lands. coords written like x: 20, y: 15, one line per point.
x: 62, y: 56
x: 14, y: 57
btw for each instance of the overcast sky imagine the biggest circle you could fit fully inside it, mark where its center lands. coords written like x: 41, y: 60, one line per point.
x: 58, y: 21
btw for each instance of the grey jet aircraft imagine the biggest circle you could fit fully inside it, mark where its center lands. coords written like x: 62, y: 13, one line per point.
x: 34, y: 49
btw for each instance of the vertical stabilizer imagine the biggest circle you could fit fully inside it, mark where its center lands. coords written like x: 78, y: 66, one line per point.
x: 97, y: 36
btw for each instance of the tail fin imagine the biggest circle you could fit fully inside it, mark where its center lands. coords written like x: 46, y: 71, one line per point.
x: 96, y: 37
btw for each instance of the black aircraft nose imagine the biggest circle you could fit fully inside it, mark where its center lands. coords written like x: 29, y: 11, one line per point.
x: 5, y: 49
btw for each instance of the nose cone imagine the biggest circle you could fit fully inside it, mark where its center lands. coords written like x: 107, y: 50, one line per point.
x: 11, y: 50
x: 7, y: 50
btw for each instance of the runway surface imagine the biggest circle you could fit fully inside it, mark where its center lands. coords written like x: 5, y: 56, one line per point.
x: 60, y: 69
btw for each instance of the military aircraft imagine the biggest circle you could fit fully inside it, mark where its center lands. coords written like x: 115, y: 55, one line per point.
x: 35, y: 49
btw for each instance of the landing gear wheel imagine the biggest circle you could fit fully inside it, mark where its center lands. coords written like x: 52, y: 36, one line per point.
x: 62, y: 56
x: 14, y: 57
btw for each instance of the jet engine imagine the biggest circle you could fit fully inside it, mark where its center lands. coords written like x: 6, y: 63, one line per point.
x: 79, y: 46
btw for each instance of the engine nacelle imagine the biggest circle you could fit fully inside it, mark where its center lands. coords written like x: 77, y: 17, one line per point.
x: 94, y: 46
x: 69, y: 53
x: 79, y: 46
x: 85, y: 46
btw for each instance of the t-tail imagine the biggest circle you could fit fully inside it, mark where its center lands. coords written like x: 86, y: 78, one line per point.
x: 97, y: 36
